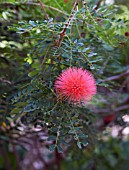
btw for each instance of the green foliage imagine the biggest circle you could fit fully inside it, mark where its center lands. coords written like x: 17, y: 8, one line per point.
x: 107, y: 155
x: 35, y: 48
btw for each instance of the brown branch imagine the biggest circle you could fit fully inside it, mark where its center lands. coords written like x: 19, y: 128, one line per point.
x: 47, y: 17
x: 6, y: 4
x: 124, y: 107
x: 6, y: 81
x: 62, y: 34
x: 116, y: 77
x: 58, y: 159
x: 97, y: 5
x: 44, y: 11
x: 83, y: 15
x: 83, y: 6
x: 118, y: 109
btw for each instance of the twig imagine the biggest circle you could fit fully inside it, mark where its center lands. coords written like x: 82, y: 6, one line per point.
x: 124, y: 107
x: 83, y: 14
x: 118, y: 109
x: 5, y: 81
x: 47, y: 17
x: 32, y: 3
x: 97, y: 5
x: 62, y: 34
x: 58, y: 159
x: 116, y: 77
x: 42, y: 5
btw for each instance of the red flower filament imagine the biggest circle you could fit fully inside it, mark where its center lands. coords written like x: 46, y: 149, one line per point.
x: 76, y: 85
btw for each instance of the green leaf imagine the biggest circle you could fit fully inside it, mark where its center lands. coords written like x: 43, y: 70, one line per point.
x: 79, y: 145
x: 54, y: 129
x: 21, y: 104
x: 51, y: 138
x: 33, y: 73
x: 16, y: 110
x: 84, y: 142
x: 63, y: 142
x: 76, y: 137
x: 52, y: 147
x: 33, y: 23
x: 71, y: 132
x: 81, y: 135
x: 60, y: 150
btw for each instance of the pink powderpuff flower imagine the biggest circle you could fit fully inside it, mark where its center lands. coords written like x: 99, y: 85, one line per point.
x: 76, y: 85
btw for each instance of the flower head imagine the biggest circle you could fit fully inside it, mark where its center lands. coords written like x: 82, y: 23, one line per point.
x: 76, y: 85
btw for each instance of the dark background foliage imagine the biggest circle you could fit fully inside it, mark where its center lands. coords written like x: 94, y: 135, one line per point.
x: 38, y: 40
